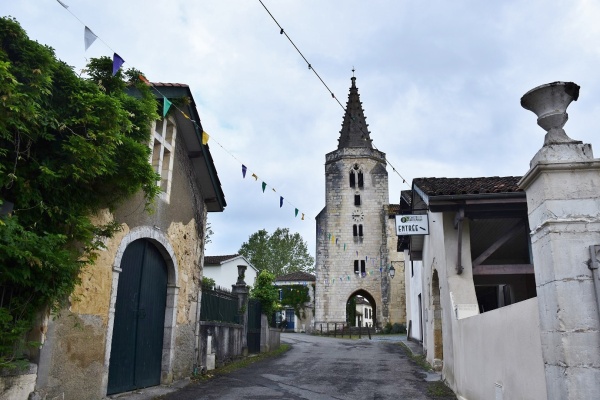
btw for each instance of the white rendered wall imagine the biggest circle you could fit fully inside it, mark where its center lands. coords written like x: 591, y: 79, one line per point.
x: 498, y: 354
x: 226, y: 274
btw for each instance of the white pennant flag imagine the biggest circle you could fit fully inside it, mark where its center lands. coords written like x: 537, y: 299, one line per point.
x: 89, y: 37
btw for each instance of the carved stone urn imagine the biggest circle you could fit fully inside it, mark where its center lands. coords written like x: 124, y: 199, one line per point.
x: 549, y: 102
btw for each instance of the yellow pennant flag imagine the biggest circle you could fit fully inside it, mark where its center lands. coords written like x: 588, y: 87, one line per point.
x: 255, y: 177
x: 185, y: 115
x: 302, y: 216
x: 205, y: 137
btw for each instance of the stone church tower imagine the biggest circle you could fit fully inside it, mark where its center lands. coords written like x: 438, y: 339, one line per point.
x: 352, y: 250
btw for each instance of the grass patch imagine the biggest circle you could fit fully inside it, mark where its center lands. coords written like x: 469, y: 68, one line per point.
x: 243, y: 363
x: 419, y: 359
x: 439, y: 389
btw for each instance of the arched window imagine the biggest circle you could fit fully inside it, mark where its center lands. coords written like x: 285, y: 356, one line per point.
x: 356, y: 266
x: 360, y: 230
x: 353, y: 179
x: 360, y: 179
x: 357, y: 199
x: 354, y: 230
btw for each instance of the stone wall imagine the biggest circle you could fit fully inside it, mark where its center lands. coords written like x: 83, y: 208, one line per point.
x: 225, y: 340
x: 270, y: 338
x: 75, y: 357
x: 338, y: 248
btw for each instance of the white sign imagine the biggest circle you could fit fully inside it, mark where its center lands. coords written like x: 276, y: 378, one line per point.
x: 407, y: 225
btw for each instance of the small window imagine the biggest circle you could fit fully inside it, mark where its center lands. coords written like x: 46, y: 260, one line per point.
x: 352, y: 179
x: 357, y: 199
x: 362, y: 266
x: 360, y: 180
x: 356, y: 266
x: 360, y: 231
x: 354, y: 230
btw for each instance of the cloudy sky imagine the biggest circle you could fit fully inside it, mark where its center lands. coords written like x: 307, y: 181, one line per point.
x: 440, y: 83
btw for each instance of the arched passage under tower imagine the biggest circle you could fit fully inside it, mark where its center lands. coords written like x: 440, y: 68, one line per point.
x: 361, y: 309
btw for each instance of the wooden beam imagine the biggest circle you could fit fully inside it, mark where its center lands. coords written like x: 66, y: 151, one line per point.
x: 507, y: 269
x: 499, y: 242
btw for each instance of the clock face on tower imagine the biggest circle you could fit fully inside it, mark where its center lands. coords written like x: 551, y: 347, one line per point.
x: 358, y: 215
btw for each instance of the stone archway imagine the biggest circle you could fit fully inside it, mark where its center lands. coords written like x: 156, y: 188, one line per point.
x: 436, y: 307
x: 367, y: 296
x: 160, y: 241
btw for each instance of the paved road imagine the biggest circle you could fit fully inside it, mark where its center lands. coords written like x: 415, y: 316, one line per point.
x: 320, y: 368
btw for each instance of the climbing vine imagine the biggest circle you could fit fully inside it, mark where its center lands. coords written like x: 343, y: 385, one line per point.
x: 69, y: 147
x: 296, y: 297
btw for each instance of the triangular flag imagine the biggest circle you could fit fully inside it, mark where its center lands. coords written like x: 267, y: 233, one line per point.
x: 147, y: 82
x: 274, y: 190
x: 280, y: 201
x: 302, y: 216
x: 344, y: 246
x: 88, y: 37
x: 264, y: 185
x: 184, y: 114
x: 255, y: 177
x: 244, y: 171
x: 166, y: 106
x: 62, y: 4
x: 296, y: 213
x: 117, y: 62
x: 205, y: 137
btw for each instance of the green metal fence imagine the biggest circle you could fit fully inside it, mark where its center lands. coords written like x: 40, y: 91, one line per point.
x: 218, y: 305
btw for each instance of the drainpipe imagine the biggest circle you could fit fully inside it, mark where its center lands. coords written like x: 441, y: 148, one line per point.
x: 458, y: 222
x: 198, y: 358
x: 594, y: 266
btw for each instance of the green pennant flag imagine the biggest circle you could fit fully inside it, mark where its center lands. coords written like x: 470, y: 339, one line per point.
x: 166, y: 106
x: 296, y: 213
x: 264, y: 185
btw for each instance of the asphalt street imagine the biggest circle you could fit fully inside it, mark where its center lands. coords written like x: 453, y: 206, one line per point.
x: 320, y: 368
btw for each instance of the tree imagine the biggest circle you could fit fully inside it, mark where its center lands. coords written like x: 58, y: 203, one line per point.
x: 69, y: 147
x: 280, y: 253
x: 266, y: 293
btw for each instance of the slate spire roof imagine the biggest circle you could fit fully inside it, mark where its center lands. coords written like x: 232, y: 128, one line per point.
x: 354, y: 131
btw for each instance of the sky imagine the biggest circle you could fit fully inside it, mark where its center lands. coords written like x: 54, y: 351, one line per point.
x: 440, y: 82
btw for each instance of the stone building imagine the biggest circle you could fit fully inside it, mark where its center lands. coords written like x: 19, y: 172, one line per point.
x: 354, y: 231
x: 133, y: 321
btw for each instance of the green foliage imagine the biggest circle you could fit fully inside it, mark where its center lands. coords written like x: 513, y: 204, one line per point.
x: 296, y: 297
x: 351, y: 311
x: 69, y: 147
x: 266, y: 293
x: 395, y: 328
x: 280, y: 253
x: 208, y: 283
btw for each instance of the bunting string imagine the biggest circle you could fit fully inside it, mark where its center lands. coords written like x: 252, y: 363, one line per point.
x: 118, y: 61
x: 310, y: 67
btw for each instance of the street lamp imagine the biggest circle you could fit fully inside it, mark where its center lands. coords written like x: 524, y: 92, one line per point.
x: 392, y: 272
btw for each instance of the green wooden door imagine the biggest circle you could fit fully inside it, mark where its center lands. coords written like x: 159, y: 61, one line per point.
x: 137, y: 341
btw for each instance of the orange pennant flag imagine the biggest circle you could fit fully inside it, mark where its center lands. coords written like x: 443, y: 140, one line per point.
x: 143, y: 79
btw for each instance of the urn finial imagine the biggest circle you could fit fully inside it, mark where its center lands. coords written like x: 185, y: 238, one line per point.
x: 549, y: 102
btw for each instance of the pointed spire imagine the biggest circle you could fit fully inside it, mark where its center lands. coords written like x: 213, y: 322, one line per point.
x: 354, y: 131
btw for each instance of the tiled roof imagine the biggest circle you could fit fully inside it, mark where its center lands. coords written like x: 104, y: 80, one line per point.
x: 466, y: 186
x: 296, y: 276
x: 393, y: 209
x: 213, y: 260
x: 162, y: 84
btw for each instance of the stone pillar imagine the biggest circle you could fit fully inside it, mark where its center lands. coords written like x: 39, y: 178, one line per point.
x: 241, y: 290
x: 563, y: 201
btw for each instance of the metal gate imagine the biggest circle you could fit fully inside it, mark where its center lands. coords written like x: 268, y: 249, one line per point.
x: 137, y: 340
x: 253, y: 336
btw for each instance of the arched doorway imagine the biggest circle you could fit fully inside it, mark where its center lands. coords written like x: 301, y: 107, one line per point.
x: 137, y: 337
x: 354, y: 302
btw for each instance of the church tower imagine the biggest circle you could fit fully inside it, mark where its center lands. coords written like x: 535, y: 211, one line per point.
x: 351, y: 251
